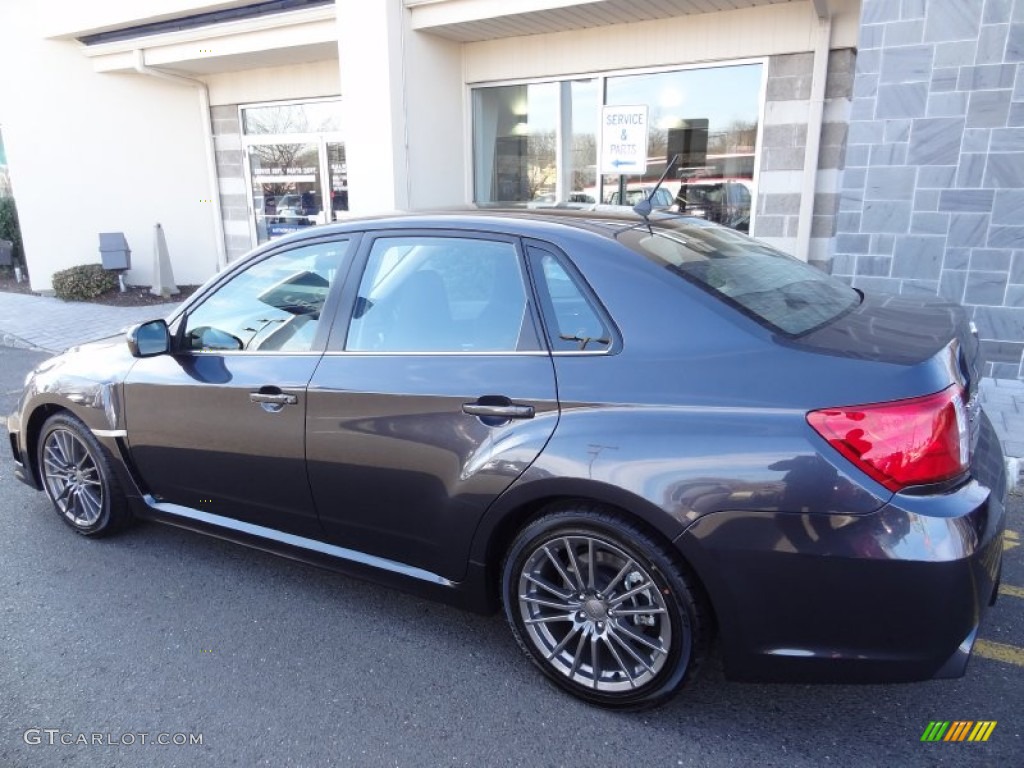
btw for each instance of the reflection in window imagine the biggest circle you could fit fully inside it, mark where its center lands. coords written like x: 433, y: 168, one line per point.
x: 573, y: 323
x: 311, y: 117
x: 709, y: 118
x: 535, y: 143
x: 274, y: 305
x: 437, y: 294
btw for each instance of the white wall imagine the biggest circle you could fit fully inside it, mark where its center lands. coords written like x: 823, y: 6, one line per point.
x: 306, y: 81
x: 402, y: 93
x: 90, y: 153
x: 708, y: 37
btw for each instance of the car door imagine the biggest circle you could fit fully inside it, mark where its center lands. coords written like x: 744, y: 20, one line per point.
x: 433, y: 400
x: 219, y: 424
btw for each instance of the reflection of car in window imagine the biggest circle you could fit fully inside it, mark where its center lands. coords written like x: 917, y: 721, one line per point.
x: 634, y: 194
x: 723, y: 201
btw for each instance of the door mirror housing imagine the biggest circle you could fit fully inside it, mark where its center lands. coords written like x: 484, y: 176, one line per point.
x: 149, y: 339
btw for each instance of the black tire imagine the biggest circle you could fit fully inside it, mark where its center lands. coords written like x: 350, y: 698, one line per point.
x: 648, y: 641
x: 79, y: 479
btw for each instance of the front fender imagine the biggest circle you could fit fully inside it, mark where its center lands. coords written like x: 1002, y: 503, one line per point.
x: 87, y: 382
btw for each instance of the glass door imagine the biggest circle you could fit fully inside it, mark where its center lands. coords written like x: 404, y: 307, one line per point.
x: 338, y: 170
x: 294, y: 165
x: 286, y: 188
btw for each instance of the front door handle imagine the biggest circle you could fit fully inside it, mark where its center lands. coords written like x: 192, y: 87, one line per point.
x: 503, y: 409
x: 258, y: 397
x: 272, y: 398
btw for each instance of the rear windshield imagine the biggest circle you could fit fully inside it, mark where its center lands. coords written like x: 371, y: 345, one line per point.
x: 784, y: 293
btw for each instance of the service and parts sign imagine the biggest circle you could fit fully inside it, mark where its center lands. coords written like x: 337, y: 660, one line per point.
x: 624, y: 140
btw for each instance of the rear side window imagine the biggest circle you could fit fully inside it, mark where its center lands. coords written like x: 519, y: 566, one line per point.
x: 442, y: 294
x: 573, y: 323
x: 782, y: 292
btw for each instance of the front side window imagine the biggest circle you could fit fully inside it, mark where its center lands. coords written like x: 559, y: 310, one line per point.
x: 441, y: 294
x: 273, y: 306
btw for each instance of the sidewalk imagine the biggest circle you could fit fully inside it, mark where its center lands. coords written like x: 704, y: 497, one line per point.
x: 53, y: 325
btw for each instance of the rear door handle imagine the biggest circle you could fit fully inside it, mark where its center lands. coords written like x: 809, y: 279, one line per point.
x: 506, y: 410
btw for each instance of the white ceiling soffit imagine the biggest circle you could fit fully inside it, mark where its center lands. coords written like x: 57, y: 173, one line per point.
x: 295, y: 37
x: 475, y: 20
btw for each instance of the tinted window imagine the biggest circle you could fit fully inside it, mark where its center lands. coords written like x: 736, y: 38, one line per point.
x: 573, y: 322
x: 274, y: 305
x: 441, y: 294
x: 786, y: 293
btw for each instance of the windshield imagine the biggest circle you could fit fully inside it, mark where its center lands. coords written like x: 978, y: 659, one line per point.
x: 785, y: 293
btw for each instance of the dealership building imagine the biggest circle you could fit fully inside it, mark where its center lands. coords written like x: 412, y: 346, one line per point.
x: 882, y: 140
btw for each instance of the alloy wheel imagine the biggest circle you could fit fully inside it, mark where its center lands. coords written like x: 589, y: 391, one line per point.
x: 594, y: 613
x: 72, y: 478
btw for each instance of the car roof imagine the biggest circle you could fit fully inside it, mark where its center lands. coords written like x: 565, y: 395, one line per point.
x: 515, y: 221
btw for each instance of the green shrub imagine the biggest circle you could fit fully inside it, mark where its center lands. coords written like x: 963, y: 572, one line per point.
x: 83, y: 282
x: 9, y: 229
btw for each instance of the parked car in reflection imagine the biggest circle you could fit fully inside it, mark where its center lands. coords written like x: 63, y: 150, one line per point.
x: 631, y: 435
x: 661, y: 200
x: 723, y: 201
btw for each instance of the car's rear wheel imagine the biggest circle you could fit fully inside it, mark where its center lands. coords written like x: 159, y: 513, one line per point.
x: 78, y: 477
x: 603, y: 609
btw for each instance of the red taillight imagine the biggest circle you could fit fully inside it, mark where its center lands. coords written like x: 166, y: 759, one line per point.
x: 906, y: 442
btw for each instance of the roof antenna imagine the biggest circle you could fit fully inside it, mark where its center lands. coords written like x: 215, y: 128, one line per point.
x: 644, y: 207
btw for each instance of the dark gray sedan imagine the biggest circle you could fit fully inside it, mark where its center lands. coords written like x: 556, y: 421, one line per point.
x: 632, y: 435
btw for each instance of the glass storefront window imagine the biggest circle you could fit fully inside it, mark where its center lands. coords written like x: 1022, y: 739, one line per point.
x: 709, y: 118
x: 537, y: 144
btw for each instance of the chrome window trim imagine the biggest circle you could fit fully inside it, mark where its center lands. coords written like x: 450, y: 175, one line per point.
x: 457, y: 353
x: 261, y: 353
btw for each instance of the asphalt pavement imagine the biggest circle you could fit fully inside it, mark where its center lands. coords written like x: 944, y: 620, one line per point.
x: 269, y: 662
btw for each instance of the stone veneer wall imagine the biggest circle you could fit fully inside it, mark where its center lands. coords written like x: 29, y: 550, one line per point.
x: 783, y: 141
x: 933, y: 191
x: 234, y: 202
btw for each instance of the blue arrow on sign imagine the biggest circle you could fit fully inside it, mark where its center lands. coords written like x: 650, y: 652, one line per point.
x: 617, y: 163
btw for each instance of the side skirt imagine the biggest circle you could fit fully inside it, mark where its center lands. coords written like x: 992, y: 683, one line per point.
x: 468, y: 594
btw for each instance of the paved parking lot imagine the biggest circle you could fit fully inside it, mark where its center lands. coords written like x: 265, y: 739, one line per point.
x: 274, y: 663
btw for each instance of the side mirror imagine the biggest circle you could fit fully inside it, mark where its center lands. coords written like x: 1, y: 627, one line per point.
x: 149, y: 339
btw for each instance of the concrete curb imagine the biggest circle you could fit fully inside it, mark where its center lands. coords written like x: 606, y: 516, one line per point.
x: 10, y: 340
x: 1013, y: 468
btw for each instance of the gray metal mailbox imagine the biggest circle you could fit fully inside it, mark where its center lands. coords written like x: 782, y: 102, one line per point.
x: 114, y: 251
x: 6, y: 253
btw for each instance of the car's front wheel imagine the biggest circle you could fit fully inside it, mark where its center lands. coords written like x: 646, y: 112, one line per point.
x: 603, y: 609
x: 78, y: 477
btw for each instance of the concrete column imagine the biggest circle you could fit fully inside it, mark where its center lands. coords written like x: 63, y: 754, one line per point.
x: 404, y: 117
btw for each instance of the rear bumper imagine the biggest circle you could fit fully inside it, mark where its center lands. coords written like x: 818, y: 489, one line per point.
x: 896, y: 595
